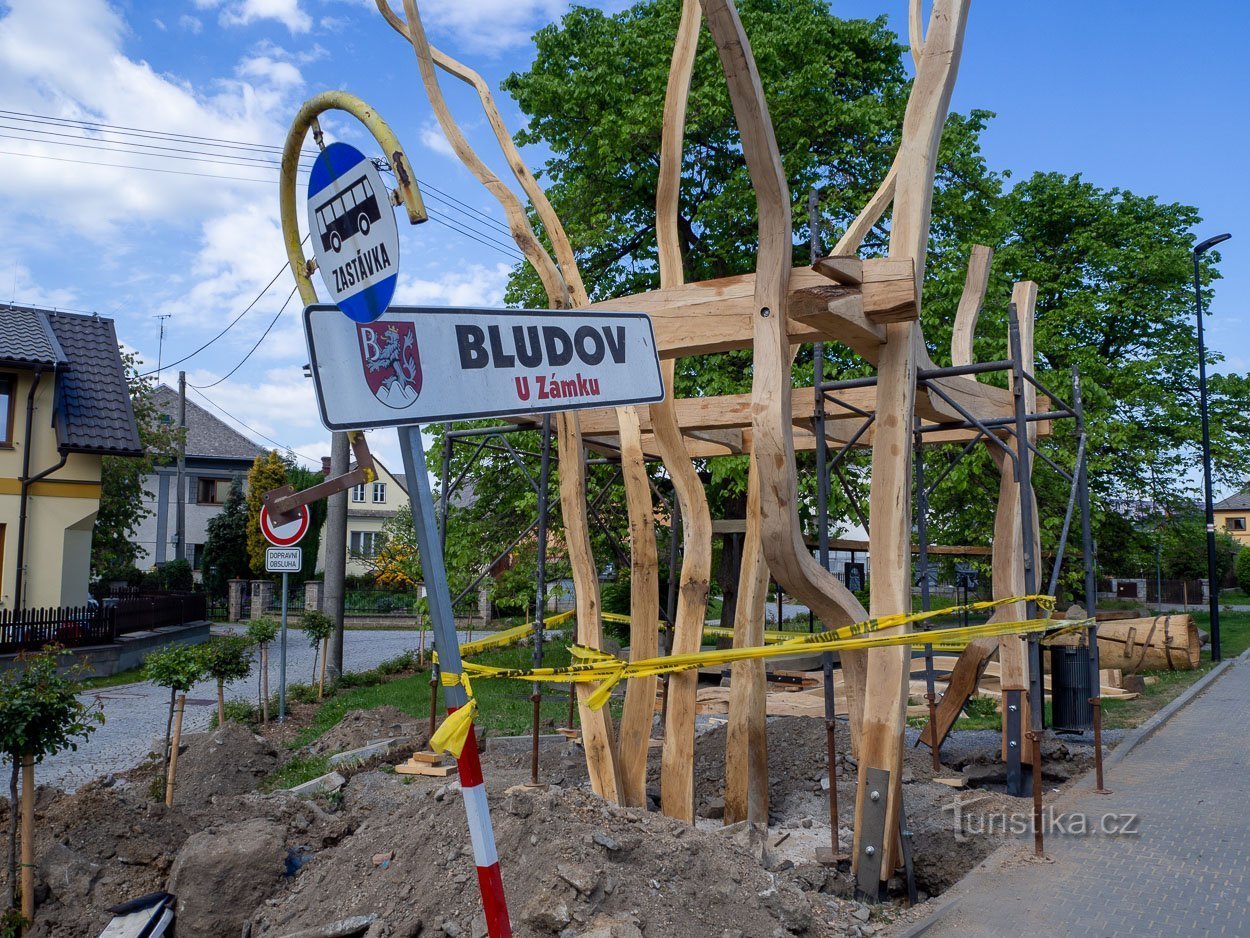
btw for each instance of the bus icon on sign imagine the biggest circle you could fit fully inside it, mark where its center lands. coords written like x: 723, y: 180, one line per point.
x: 352, y: 211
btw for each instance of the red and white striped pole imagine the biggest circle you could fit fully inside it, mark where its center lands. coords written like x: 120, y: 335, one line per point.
x: 446, y: 643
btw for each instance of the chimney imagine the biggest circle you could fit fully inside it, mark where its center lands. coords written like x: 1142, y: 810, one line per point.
x: 325, y: 466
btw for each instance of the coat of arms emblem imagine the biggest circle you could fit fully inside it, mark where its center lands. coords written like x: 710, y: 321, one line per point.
x: 392, y: 363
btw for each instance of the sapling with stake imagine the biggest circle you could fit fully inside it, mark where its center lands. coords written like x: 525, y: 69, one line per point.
x: 262, y: 632
x: 318, y: 627
x: 177, y: 667
x: 226, y: 658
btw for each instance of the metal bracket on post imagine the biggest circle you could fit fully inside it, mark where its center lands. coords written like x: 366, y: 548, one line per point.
x: 284, y: 503
x: 876, y: 795
x: 1015, y: 783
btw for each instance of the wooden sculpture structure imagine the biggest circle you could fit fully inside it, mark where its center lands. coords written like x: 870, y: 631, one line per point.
x: 870, y: 305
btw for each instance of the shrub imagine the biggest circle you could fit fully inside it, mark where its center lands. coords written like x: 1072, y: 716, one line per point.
x: 406, y: 661
x: 1242, y: 568
x: 238, y: 711
x: 177, y: 576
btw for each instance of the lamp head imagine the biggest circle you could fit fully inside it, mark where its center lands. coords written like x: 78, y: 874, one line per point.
x: 1211, y: 242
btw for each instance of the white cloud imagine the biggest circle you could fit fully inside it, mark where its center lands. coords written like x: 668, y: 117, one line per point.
x: 190, y: 23
x: 432, y: 136
x: 272, y: 71
x: 489, y: 26
x: 476, y: 285
x: 246, y: 12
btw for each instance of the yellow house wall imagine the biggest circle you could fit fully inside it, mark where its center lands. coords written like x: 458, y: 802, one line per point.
x: 60, y: 512
x: 1221, y: 524
x: 396, y: 498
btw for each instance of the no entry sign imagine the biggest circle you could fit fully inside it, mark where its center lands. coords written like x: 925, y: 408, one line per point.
x: 284, y: 535
x: 424, y: 365
x: 354, y: 235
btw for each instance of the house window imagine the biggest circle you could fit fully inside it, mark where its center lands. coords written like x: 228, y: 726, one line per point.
x: 1235, y: 524
x: 365, y: 543
x: 358, y: 493
x: 212, y: 491
x: 379, y: 493
x: 8, y: 403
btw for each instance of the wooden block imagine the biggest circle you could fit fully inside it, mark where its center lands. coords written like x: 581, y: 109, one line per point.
x: 889, y: 290
x: 957, y: 781
x: 569, y: 732
x: 421, y: 768
x: 429, y: 758
x: 848, y: 271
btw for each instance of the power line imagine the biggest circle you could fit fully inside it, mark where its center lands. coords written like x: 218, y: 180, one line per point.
x: 490, y: 244
x: 268, y: 328
x: 126, y: 146
x: 229, y: 326
x: 281, y: 446
x: 150, y: 169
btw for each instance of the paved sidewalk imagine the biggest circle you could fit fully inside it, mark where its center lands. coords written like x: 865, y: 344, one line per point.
x: 1185, y: 872
x: 135, y: 713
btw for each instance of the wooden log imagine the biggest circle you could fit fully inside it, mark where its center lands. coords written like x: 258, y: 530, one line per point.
x: 677, y: 758
x: 890, y: 290
x: 885, y: 690
x: 635, y: 730
x: 746, y: 745
x: 1154, y: 643
x: 975, y: 283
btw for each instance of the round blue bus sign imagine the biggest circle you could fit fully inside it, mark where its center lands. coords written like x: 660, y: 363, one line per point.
x: 354, y: 235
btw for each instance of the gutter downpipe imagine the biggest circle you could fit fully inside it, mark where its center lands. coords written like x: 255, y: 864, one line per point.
x: 27, y: 480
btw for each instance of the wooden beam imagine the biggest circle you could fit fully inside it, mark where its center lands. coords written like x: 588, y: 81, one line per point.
x: 848, y: 271
x: 975, y: 283
x: 890, y: 290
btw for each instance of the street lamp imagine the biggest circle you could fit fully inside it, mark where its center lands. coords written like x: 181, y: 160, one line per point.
x: 1213, y: 588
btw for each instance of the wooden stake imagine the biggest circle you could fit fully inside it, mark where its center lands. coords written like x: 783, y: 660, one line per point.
x: 264, y: 684
x: 321, y: 685
x: 28, y: 837
x: 173, y: 750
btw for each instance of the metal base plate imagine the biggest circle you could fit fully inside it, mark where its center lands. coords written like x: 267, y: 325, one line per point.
x: 875, y: 796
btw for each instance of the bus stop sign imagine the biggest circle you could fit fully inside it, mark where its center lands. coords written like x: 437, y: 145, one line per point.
x: 353, y: 231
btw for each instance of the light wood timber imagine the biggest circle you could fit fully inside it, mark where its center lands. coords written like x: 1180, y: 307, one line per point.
x: 597, y: 729
x: 746, y: 744
x: 1154, y: 643
x: 848, y: 271
x: 1008, y: 562
x: 715, y: 315
x: 788, y: 558
x: 890, y: 516
x: 975, y: 283
x: 677, y: 757
x: 890, y: 291
x: 962, y: 684
x: 644, y: 609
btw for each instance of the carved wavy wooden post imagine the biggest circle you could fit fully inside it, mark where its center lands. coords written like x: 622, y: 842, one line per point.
x: 677, y: 763
x: 598, y: 736
x: 885, y: 692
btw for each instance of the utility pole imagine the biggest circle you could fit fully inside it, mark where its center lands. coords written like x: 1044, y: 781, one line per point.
x: 180, y: 519
x: 160, y: 345
x: 336, y: 554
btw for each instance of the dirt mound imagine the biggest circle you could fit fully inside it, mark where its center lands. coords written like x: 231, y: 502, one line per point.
x: 361, y: 727
x: 566, y: 857
x: 230, y: 760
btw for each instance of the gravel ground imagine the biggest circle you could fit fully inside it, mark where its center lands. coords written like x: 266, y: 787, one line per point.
x: 135, y: 713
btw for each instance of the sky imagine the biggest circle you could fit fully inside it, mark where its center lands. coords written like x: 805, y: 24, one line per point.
x: 155, y: 220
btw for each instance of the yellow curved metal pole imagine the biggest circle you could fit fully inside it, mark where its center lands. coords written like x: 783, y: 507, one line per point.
x: 306, y: 118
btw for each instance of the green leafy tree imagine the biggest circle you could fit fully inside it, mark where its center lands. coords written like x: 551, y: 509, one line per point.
x: 225, y: 552
x: 177, y: 667
x: 268, y: 472
x: 40, y: 715
x: 318, y: 627
x: 302, y: 478
x: 176, y: 575
x: 226, y: 658
x: 1184, y: 552
x: 123, y: 498
x: 1242, y: 570
x: 261, y: 632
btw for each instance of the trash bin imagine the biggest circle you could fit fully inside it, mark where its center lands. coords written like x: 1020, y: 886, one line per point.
x: 1070, y: 689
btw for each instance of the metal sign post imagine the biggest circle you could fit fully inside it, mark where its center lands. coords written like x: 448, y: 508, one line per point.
x: 447, y: 645
x: 283, y: 558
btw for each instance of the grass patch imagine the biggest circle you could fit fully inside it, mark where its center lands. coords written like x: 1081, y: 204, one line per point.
x: 296, y: 771
x: 504, y: 707
x: 131, y: 676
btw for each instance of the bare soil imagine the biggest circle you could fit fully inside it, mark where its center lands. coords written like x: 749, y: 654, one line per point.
x: 395, y: 847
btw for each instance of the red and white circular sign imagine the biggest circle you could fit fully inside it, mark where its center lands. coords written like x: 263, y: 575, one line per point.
x: 284, y: 535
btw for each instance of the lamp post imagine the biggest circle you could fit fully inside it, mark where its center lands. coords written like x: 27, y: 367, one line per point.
x: 1213, y: 587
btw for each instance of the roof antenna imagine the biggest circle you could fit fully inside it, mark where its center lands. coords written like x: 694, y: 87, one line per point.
x: 160, y: 348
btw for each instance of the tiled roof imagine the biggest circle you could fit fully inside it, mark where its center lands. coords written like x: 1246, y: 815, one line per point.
x: 206, y: 435
x: 93, y: 401
x: 28, y: 340
x: 1238, y: 502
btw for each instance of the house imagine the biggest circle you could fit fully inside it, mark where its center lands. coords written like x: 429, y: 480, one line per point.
x: 369, y: 507
x: 216, y: 456
x: 1232, y: 516
x: 64, y: 405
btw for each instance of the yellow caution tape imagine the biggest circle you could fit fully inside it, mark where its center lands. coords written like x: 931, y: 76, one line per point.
x: 608, y: 670
x: 508, y: 637
x: 454, y: 733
